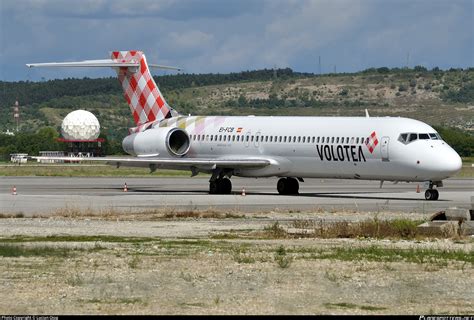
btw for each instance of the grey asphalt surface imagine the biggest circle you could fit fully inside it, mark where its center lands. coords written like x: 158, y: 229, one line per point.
x: 43, y: 195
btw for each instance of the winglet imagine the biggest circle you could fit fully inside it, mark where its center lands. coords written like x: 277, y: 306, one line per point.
x: 367, y: 114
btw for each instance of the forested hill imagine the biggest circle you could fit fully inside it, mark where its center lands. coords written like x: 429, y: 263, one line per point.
x: 37, y: 92
x: 444, y: 98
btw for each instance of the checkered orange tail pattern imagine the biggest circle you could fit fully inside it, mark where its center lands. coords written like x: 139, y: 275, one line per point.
x: 140, y: 90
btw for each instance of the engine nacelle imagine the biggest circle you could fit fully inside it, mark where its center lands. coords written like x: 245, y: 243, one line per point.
x: 163, y: 141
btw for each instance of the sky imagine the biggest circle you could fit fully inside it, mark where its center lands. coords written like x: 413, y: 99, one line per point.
x: 221, y: 36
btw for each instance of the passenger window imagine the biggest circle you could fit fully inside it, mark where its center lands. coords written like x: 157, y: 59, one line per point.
x: 412, y: 137
x: 266, y: 138
x: 312, y: 139
x: 271, y: 138
x: 361, y: 140
x: 423, y: 136
x: 253, y: 137
x: 247, y: 138
x: 357, y: 140
x: 299, y: 139
x: 294, y: 138
x: 304, y: 139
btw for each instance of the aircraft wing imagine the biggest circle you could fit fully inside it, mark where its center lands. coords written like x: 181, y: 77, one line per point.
x: 178, y: 163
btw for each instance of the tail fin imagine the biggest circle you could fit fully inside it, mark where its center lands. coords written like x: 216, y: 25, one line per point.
x: 140, y: 90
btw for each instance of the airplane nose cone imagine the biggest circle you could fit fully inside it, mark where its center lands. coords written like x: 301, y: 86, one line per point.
x: 452, y: 163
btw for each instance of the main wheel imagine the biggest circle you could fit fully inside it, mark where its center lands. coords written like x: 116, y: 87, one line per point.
x: 282, y: 186
x: 225, y: 186
x: 220, y: 186
x: 431, y: 194
x: 293, y: 185
x: 288, y: 186
x: 214, y: 187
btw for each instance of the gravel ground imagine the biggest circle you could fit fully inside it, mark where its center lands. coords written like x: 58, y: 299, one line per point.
x: 180, y: 270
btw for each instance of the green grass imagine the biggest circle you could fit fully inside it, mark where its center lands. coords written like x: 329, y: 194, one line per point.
x: 373, y: 228
x: 378, y: 254
x: 240, y: 252
x: 345, y: 305
x: 115, y: 301
x: 78, y: 238
x: 467, y: 171
x: 9, y: 251
x: 86, y: 170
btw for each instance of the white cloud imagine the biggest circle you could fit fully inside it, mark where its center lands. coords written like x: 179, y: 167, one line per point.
x: 223, y: 36
x: 192, y: 39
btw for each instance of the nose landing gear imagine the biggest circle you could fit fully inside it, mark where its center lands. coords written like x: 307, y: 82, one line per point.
x: 431, y: 193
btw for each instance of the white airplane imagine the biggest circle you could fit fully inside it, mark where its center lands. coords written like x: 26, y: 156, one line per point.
x: 291, y: 148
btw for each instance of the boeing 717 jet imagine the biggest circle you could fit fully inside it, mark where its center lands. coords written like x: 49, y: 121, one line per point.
x: 291, y: 148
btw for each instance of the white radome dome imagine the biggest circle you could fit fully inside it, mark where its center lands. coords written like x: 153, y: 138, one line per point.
x: 80, y: 125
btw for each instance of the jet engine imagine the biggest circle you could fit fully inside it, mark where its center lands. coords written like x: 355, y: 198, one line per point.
x: 157, y: 141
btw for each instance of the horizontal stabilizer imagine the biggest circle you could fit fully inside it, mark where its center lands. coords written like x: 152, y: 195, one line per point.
x: 99, y: 63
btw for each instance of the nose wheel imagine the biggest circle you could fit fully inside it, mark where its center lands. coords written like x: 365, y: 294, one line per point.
x: 288, y: 186
x: 431, y: 194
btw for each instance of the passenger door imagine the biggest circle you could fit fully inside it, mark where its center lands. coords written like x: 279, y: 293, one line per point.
x: 384, y: 148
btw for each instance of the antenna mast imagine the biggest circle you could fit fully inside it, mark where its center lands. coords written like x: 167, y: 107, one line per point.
x: 16, y: 114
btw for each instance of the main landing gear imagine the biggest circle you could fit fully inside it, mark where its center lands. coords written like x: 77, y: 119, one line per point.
x: 431, y: 193
x: 220, y: 182
x: 220, y: 186
x: 288, y: 186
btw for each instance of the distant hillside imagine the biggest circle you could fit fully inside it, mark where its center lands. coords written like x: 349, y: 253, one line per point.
x: 442, y: 98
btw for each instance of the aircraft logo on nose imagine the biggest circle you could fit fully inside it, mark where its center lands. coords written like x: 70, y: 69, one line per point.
x: 372, y: 142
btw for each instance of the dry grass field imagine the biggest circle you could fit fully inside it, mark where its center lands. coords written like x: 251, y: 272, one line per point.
x: 85, y: 262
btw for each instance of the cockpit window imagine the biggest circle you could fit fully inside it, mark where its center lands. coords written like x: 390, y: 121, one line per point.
x: 423, y: 136
x: 406, y: 138
x: 412, y: 137
x: 402, y: 138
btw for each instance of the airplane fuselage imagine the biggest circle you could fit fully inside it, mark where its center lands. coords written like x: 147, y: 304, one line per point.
x: 316, y: 147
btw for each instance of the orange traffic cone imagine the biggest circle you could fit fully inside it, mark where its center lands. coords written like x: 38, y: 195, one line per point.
x: 14, y: 191
x: 243, y: 192
x: 125, y: 189
x: 417, y: 188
